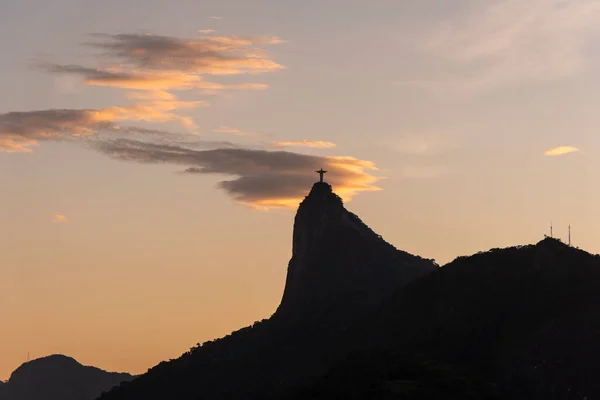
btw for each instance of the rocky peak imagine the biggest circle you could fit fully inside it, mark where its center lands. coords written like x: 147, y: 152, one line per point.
x: 338, y: 260
x: 318, y: 210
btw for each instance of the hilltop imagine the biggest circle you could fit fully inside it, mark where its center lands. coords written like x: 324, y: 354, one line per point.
x: 58, y: 377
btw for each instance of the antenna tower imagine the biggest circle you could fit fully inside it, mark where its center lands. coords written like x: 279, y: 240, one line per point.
x: 569, y: 234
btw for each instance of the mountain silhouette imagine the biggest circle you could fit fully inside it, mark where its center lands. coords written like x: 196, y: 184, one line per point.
x: 340, y: 272
x: 340, y: 269
x: 361, y: 320
x: 58, y: 377
x: 524, y: 320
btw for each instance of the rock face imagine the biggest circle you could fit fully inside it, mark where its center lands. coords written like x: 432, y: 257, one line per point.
x: 340, y: 268
x: 58, y: 377
x: 340, y: 271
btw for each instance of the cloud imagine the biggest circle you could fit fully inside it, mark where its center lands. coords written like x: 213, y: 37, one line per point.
x: 235, y: 131
x: 305, y: 143
x: 215, y: 17
x: 206, y: 31
x: 262, y: 178
x: 561, y: 150
x: 152, y: 66
x: 214, y: 55
x: 19, y: 131
x: 16, y: 144
x: 125, y: 79
x: 509, y: 42
x: 59, y: 218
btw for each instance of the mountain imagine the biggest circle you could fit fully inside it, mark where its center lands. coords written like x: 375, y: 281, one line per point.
x: 58, y: 377
x: 340, y: 269
x: 525, y: 321
x: 340, y: 272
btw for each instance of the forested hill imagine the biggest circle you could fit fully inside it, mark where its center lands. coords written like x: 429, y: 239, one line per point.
x: 515, y: 323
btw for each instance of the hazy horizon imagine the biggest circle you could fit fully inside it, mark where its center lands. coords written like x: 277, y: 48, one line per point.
x: 153, y: 153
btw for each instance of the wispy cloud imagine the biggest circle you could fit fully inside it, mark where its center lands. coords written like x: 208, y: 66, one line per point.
x: 262, y: 178
x: 235, y: 131
x: 508, y: 42
x: 164, y: 80
x: 561, y: 150
x: 206, y: 31
x: 305, y: 143
x: 151, y: 66
x: 59, y: 218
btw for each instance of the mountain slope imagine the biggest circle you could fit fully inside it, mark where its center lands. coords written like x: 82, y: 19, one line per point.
x: 340, y: 272
x: 58, y: 377
x: 525, y: 320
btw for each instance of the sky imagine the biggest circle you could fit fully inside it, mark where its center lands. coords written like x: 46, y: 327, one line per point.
x: 152, y: 153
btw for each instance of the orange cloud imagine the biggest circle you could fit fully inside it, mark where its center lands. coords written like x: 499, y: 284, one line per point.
x: 16, y: 144
x: 561, y: 150
x: 153, y: 81
x: 305, y: 143
x: 59, y: 218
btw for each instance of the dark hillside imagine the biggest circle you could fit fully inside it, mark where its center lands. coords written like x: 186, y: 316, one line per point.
x: 524, y: 320
x: 58, y: 377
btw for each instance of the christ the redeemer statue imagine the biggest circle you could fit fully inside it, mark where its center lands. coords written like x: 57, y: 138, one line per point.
x: 321, y: 172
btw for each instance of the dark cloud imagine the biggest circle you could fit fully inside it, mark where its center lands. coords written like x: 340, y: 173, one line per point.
x: 262, y: 178
x: 21, y: 130
x: 31, y: 124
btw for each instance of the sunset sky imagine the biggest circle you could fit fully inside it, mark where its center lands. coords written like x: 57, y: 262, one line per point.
x: 153, y: 152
